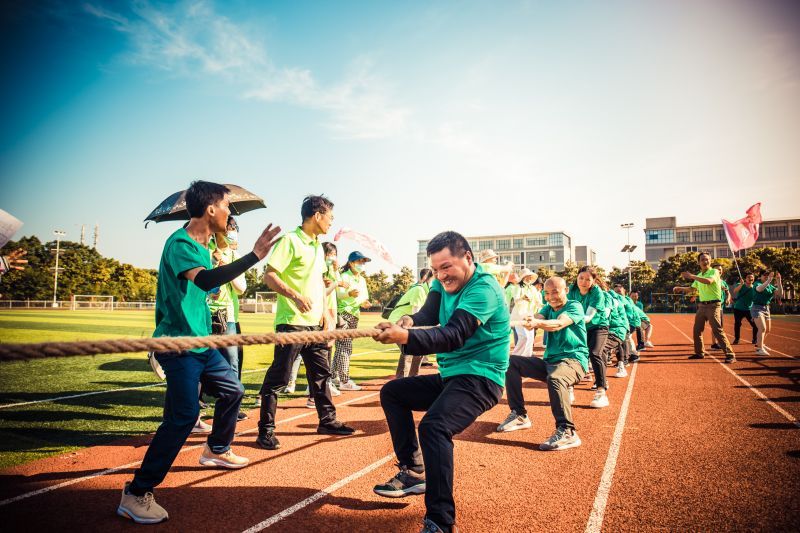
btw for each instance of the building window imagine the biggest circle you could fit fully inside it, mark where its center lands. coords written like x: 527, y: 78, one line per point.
x: 683, y: 236
x: 792, y: 244
x: 691, y: 248
x: 660, y: 236
x: 720, y: 235
x: 795, y: 230
x: 723, y: 252
x: 484, y: 245
x: 703, y: 235
x: 555, y: 239
x: 473, y: 245
x: 774, y: 232
x: 551, y: 255
x: 518, y: 243
x: 518, y: 260
x: 537, y: 241
x: 504, y: 244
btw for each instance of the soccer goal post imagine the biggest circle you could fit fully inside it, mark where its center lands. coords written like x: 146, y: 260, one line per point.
x: 265, y: 302
x: 96, y: 302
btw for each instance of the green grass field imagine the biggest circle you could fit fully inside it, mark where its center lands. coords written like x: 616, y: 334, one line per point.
x: 39, y: 430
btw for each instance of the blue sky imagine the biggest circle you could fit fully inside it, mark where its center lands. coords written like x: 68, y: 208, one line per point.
x: 413, y: 117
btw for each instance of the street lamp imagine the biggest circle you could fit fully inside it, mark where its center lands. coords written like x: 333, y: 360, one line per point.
x: 58, y: 235
x: 628, y: 248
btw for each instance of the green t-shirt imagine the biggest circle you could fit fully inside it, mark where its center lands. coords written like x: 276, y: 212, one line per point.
x: 335, y: 276
x: 594, y: 298
x: 300, y: 263
x: 511, y: 292
x: 570, y: 342
x: 639, y: 304
x: 712, y: 291
x: 352, y: 304
x: 181, y: 308
x: 744, y: 298
x: 618, y: 320
x: 764, y: 297
x: 225, y: 297
x: 642, y: 315
x: 414, y: 297
x: 485, y: 353
x: 724, y: 290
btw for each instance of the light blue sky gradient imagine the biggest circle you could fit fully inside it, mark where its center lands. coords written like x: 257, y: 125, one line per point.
x: 413, y: 117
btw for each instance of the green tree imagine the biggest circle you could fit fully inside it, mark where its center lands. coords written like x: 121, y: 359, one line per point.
x: 545, y: 273
x: 379, y: 288
x: 401, y: 282
x: 570, y: 272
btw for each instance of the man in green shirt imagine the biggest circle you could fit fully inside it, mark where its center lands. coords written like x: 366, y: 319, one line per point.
x: 743, y: 294
x: 708, y: 286
x: 184, y: 278
x: 410, y: 303
x: 467, y: 307
x: 295, y: 271
x: 725, y: 300
x: 565, y: 362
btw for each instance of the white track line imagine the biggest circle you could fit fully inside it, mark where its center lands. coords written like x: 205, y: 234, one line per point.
x: 136, y: 463
x: 595, y: 523
x: 274, y: 519
x: 161, y: 384
x: 757, y: 392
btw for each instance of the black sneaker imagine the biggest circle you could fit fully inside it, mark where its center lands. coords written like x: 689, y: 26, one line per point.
x: 697, y: 356
x: 268, y: 440
x: 402, y: 484
x: 716, y: 346
x: 735, y: 341
x: 241, y: 416
x: 633, y: 358
x: 335, y: 428
x: 730, y: 358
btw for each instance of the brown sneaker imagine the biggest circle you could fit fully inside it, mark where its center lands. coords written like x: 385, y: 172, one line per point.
x: 141, y: 509
x: 225, y: 460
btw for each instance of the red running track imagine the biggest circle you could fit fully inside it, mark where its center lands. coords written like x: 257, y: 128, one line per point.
x: 685, y: 445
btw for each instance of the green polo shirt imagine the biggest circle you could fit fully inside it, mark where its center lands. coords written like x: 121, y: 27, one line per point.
x: 764, y: 297
x: 300, y: 263
x: 181, y: 308
x: 570, y: 342
x: 485, y: 353
x: 352, y: 304
x: 594, y: 298
x: 413, y: 298
x: 617, y: 320
x: 335, y: 276
x: 510, y: 292
x: 709, y: 292
x: 744, y: 298
x: 723, y: 292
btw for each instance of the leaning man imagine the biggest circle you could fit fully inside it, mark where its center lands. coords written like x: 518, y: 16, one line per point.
x: 471, y: 343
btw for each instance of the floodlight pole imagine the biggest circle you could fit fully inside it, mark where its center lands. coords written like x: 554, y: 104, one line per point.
x: 628, y: 227
x: 58, y: 235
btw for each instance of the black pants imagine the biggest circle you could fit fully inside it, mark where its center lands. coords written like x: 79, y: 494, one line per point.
x: 615, y: 346
x: 318, y: 372
x: 452, y: 406
x: 241, y: 351
x: 596, y: 339
x: 639, y: 335
x: 738, y: 315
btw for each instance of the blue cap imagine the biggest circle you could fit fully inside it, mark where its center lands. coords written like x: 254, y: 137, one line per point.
x: 355, y: 256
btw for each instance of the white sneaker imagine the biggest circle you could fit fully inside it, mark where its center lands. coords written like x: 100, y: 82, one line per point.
x: 514, y: 422
x: 562, y: 439
x: 311, y: 404
x: 600, y: 400
x: 350, y: 385
x: 290, y: 387
x: 141, y: 509
x: 649, y: 344
x: 621, y: 372
x: 571, y: 395
x: 201, y: 427
x: 226, y: 459
x: 156, y: 366
x: 334, y: 390
x: 257, y: 403
x: 761, y: 351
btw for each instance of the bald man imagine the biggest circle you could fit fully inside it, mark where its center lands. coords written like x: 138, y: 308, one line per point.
x: 565, y: 362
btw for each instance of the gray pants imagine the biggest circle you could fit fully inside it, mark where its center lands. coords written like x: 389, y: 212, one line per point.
x: 710, y: 312
x: 407, y: 365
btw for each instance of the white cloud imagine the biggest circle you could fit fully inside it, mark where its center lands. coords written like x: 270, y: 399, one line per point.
x: 191, y: 37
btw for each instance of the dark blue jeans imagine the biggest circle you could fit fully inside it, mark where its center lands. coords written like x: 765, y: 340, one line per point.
x: 184, y: 371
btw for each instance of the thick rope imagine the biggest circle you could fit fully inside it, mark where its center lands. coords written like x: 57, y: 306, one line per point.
x: 17, y: 352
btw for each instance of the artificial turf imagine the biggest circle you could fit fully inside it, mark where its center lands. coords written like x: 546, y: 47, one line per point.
x: 39, y: 430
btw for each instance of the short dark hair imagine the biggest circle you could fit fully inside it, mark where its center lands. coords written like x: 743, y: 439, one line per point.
x: 455, y: 242
x: 704, y: 253
x: 425, y: 273
x: 763, y: 272
x: 314, y: 204
x: 328, y: 247
x: 202, y: 194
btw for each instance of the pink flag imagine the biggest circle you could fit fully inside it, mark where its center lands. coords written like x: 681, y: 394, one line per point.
x: 366, y: 241
x: 743, y: 233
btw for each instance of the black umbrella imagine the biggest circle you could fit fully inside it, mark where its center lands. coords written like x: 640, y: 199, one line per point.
x: 174, y: 207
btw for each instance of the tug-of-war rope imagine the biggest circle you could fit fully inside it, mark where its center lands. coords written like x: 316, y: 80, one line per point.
x: 22, y: 352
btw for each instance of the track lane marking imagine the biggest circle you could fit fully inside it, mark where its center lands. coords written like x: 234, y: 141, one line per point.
x: 327, y: 491
x: 160, y: 384
x: 595, y: 523
x: 115, y: 469
x: 755, y: 391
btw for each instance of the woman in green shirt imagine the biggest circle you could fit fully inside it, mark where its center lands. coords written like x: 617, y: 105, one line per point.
x: 743, y: 300
x: 351, y: 297
x: 764, y: 292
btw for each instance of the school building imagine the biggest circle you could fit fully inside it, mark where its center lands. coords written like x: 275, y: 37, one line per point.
x: 533, y: 250
x: 664, y: 238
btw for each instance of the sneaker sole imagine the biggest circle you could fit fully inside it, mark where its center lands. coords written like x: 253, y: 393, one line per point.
x: 517, y: 427
x: 276, y: 447
x: 415, y: 490
x: 563, y: 447
x: 593, y: 406
x: 335, y: 433
x: 224, y: 464
x: 124, y: 513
